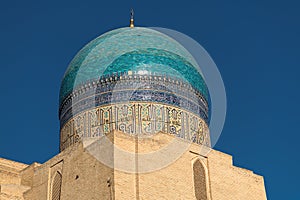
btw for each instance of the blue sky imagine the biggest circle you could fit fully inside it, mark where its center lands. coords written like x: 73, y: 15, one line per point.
x: 254, y: 43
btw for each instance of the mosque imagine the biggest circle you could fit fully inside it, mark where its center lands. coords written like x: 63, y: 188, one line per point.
x: 134, y: 115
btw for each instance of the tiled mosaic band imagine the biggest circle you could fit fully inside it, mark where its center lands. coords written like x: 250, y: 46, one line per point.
x: 126, y: 87
x: 134, y: 104
x: 134, y: 118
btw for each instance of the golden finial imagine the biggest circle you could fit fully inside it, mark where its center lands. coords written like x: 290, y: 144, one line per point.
x: 131, y: 18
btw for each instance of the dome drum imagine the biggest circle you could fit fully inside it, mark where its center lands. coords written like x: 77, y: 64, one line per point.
x: 132, y: 86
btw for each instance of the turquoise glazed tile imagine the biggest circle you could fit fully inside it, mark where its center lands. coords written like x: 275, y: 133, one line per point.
x: 140, y: 50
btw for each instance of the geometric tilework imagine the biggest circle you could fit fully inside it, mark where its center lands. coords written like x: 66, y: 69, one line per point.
x: 123, y: 87
x: 134, y: 104
x: 139, y: 118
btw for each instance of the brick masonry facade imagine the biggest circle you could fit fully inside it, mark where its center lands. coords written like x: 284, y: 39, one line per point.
x: 75, y: 173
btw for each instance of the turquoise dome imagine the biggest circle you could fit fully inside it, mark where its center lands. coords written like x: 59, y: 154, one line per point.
x: 137, y: 50
x: 135, y: 80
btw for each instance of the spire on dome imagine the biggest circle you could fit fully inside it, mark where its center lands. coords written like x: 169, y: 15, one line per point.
x: 131, y: 18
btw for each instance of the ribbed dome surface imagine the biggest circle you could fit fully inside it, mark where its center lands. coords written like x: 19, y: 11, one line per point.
x: 140, y: 50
